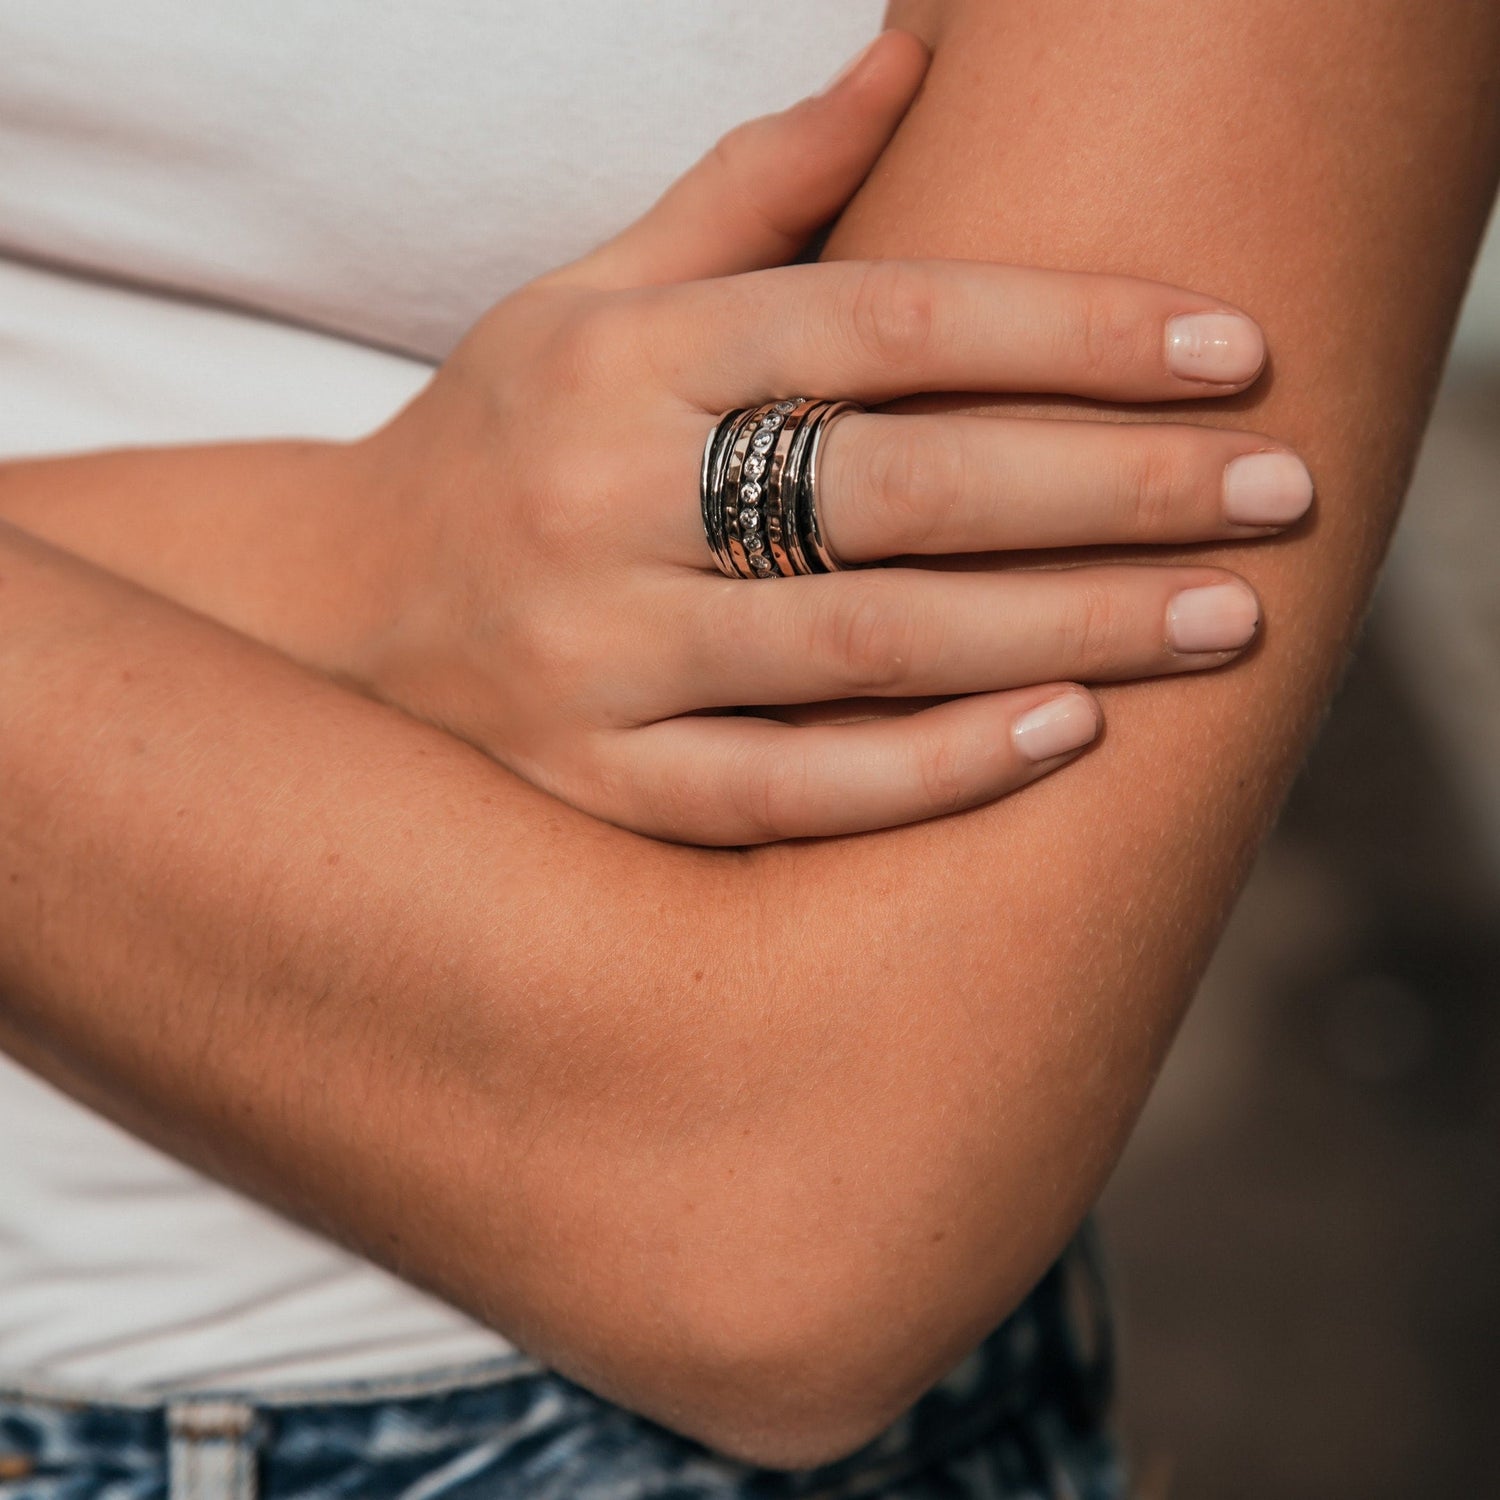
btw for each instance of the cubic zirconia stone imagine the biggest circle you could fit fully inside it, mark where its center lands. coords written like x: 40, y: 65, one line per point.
x: 785, y: 406
x: 755, y: 465
x: 771, y: 421
x: 749, y: 518
x: 749, y: 492
x: 762, y: 564
x: 763, y: 442
x: 753, y: 542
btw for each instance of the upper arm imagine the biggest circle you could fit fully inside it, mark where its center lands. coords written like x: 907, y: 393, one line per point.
x: 1000, y: 986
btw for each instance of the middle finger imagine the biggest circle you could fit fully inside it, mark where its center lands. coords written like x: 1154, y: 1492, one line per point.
x: 890, y: 486
x: 913, y: 632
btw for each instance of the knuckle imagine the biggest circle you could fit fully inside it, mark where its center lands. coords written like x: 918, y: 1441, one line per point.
x: 591, y: 345
x: 547, y: 647
x: 740, y: 159
x: 727, y: 798
x: 870, y: 635
x: 912, y: 483
x: 1152, y: 483
x: 892, y: 313
x: 945, y: 773
x: 736, y: 154
x: 570, y: 504
x: 1094, y: 627
x: 562, y: 513
x: 1108, y: 337
x: 757, y: 801
x: 601, y: 781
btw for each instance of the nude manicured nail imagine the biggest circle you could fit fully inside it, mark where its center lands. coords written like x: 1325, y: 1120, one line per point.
x: 1222, y: 348
x: 1217, y: 617
x: 1059, y: 725
x: 1266, y: 489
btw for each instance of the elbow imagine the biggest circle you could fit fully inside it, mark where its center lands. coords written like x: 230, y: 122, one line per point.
x: 793, y: 1371
x: 786, y: 1397
x: 768, y: 1357
x: 780, y: 1435
x: 811, y: 1332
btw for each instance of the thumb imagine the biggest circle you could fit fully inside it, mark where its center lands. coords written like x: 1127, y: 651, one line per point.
x: 762, y: 192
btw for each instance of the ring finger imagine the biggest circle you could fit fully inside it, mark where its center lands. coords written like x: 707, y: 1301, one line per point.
x: 911, y: 632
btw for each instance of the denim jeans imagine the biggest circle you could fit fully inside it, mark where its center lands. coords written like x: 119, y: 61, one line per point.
x: 1023, y: 1415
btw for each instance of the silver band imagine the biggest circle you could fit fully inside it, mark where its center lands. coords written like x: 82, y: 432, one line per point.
x: 758, y: 488
x: 798, y: 502
x: 812, y: 532
x: 715, y: 456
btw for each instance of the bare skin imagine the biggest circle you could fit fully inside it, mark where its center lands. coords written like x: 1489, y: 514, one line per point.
x: 486, y: 561
x: 765, y: 1202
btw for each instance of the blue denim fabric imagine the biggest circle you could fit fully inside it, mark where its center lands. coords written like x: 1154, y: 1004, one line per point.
x: 1022, y: 1416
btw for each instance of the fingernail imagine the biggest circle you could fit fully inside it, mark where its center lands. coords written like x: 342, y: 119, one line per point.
x: 1217, y: 617
x: 1059, y: 725
x: 1223, y: 348
x: 849, y: 68
x: 1266, y: 489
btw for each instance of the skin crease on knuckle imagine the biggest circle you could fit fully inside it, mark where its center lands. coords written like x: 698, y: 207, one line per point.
x: 590, y: 349
x: 910, y: 484
x: 1094, y: 626
x: 768, y: 797
x: 1159, y: 481
x: 1112, y: 338
x: 953, y: 771
x: 869, y: 632
x: 890, y: 312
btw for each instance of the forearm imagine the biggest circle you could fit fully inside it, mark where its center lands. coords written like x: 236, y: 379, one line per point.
x: 350, y: 965
x: 278, y: 540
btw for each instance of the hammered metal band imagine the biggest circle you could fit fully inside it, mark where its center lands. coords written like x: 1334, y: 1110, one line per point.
x: 758, y: 488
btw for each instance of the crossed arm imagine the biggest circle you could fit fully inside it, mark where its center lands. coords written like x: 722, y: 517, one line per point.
x: 760, y: 1143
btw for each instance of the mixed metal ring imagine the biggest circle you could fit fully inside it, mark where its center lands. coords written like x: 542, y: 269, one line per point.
x: 759, y: 488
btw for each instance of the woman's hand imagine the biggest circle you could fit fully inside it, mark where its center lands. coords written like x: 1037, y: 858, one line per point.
x: 557, y: 603
x: 519, y: 558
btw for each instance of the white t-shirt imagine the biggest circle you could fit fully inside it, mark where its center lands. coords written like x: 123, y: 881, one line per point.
x: 227, y: 221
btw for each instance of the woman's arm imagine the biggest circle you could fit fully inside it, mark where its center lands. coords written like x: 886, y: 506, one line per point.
x: 757, y: 1144
x: 1014, y: 976
x: 351, y: 965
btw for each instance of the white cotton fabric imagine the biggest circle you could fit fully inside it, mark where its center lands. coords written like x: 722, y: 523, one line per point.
x: 222, y: 220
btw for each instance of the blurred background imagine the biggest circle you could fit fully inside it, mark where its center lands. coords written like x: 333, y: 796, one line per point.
x: 1305, y: 1231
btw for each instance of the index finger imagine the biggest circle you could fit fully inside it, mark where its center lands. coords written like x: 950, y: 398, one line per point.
x: 875, y: 330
